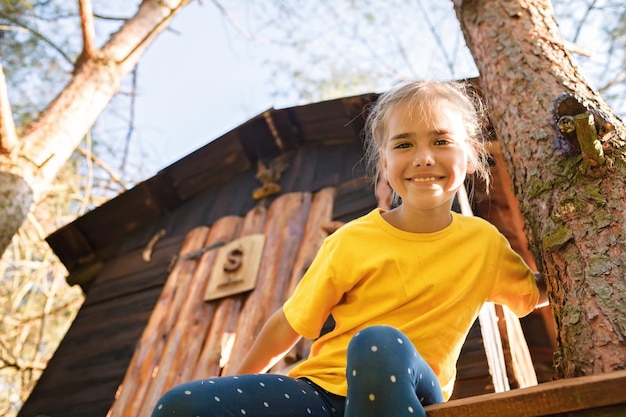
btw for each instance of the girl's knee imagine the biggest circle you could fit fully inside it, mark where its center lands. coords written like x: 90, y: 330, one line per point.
x: 379, y: 333
x: 378, y: 337
x: 183, y: 399
x: 168, y: 402
x: 379, y: 346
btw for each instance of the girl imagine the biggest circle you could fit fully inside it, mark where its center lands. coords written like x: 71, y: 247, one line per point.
x: 402, y: 286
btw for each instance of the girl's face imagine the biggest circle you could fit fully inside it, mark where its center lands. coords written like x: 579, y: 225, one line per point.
x: 425, y: 155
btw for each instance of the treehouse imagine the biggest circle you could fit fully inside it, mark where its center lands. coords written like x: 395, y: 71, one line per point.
x: 181, y: 271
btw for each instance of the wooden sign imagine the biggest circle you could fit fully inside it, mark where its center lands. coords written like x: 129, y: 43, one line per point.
x: 236, y: 267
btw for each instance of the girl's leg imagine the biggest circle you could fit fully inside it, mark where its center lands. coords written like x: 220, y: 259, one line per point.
x: 387, y: 376
x: 263, y: 395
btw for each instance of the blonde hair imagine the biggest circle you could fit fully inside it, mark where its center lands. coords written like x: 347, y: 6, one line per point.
x: 418, y: 95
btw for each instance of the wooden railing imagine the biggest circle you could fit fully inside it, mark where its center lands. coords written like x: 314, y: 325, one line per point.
x: 591, y: 396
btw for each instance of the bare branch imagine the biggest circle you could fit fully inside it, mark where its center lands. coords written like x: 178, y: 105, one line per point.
x: 112, y: 18
x: 237, y: 26
x: 8, y: 351
x: 438, y: 39
x: 8, y: 136
x: 131, y: 120
x: 19, y: 26
x: 13, y: 28
x: 618, y: 79
x: 581, y: 24
x: 87, y: 193
x: 87, y: 28
x: 576, y: 49
x: 70, y: 305
x: 100, y: 163
x: 156, y: 29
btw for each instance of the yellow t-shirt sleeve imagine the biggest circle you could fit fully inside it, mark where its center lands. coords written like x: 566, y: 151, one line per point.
x: 317, y: 293
x: 514, y: 284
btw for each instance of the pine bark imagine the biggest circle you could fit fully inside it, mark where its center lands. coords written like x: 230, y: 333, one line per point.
x: 571, y: 188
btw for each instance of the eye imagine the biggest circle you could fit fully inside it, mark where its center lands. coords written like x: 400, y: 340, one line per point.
x: 442, y: 142
x: 402, y: 145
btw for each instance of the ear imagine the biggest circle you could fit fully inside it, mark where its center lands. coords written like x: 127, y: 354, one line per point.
x: 470, y: 167
x: 382, y: 162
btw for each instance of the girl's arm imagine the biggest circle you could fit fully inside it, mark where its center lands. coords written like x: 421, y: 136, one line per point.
x: 276, y: 338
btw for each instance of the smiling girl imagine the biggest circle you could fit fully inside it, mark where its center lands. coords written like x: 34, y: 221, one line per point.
x: 402, y: 286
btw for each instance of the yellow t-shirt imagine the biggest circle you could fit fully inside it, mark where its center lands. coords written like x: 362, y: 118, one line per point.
x: 430, y: 286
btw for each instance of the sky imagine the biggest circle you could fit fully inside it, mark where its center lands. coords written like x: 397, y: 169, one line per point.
x: 196, y: 82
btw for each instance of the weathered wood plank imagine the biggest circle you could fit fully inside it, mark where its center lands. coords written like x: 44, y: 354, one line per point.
x: 547, y: 399
x: 78, y: 409
x: 179, y: 356
x: 299, y: 176
x: 233, y: 198
x: 321, y: 212
x: 472, y: 376
x: 152, y: 343
x: 223, y: 327
x: 130, y: 273
x: 193, y: 174
x: 326, y: 173
x: 89, y: 364
x: 609, y: 411
x: 354, y: 198
x: 285, y: 224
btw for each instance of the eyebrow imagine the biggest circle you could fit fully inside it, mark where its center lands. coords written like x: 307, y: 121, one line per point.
x: 400, y: 136
x: 434, y: 132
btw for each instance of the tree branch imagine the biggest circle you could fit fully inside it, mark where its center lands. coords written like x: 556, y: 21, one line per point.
x: 20, y: 26
x: 100, y: 163
x: 581, y: 24
x: 157, y: 28
x: 87, y: 28
x: 131, y: 123
x: 438, y: 40
x: 233, y: 22
x: 8, y: 136
x: 618, y: 79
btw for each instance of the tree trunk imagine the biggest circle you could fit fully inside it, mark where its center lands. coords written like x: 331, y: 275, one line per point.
x: 15, y: 198
x: 49, y: 141
x: 565, y: 153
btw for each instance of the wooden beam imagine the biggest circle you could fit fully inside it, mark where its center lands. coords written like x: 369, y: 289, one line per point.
x: 492, y: 342
x: 523, y: 368
x: 605, y: 393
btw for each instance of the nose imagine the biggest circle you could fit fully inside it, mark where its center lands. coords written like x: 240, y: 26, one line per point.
x: 423, y: 157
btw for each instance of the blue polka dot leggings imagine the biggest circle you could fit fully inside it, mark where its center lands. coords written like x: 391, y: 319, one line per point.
x: 386, y: 377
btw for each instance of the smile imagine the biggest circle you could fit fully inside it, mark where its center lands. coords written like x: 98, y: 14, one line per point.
x: 428, y: 179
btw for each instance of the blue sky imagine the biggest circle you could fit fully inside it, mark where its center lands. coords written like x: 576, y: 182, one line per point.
x: 195, y: 83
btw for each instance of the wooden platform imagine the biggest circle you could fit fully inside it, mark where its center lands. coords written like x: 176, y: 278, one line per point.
x: 591, y: 396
